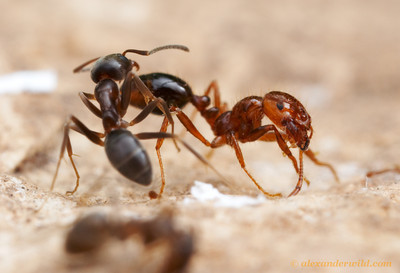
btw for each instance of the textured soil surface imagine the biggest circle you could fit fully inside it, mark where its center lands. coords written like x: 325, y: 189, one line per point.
x: 340, y: 59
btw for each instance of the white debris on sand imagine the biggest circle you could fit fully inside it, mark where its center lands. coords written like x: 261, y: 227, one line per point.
x: 204, y: 193
x: 39, y: 81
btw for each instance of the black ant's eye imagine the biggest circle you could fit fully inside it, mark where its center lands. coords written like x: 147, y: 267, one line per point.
x: 279, y: 105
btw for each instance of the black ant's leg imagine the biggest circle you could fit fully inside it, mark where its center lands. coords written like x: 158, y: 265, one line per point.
x: 144, y: 113
x: 158, y: 135
x: 126, y: 91
x: 148, y: 96
x: 141, y: 116
x: 89, y: 96
x: 186, y: 122
x: 76, y: 125
x: 160, y: 142
x: 85, y: 97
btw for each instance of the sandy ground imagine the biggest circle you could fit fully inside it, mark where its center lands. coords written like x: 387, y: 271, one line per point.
x: 340, y: 59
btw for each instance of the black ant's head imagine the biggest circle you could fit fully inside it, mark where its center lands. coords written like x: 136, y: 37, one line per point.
x: 113, y: 66
x: 116, y: 66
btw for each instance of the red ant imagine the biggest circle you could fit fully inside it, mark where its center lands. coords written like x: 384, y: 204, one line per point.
x: 123, y: 148
x: 291, y: 124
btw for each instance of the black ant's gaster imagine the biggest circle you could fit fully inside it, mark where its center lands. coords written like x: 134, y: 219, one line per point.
x: 123, y: 148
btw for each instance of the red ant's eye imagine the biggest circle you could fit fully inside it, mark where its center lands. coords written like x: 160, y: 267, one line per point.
x: 279, y: 105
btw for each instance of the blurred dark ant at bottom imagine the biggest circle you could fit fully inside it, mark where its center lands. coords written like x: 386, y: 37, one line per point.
x: 91, y: 233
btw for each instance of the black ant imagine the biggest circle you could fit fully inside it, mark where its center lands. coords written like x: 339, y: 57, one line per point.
x: 291, y: 124
x: 175, y: 92
x: 123, y: 148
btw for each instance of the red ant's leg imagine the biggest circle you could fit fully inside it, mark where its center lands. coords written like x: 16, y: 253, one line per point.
x: 183, y: 118
x: 271, y: 133
x: 213, y: 86
x: 373, y: 173
x: 264, y: 133
x: 234, y: 143
x: 300, y: 181
x: 311, y: 155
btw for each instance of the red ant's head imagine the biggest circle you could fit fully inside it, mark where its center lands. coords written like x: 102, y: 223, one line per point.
x: 290, y: 116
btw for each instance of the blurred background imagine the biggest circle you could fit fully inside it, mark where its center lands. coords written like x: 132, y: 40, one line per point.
x: 340, y: 58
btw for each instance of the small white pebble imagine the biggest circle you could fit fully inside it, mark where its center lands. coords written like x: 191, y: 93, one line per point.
x: 40, y: 81
x: 204, y: 192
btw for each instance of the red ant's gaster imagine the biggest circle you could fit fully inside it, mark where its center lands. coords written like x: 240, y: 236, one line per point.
x: 291, y: 124
x: 123, y: 148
